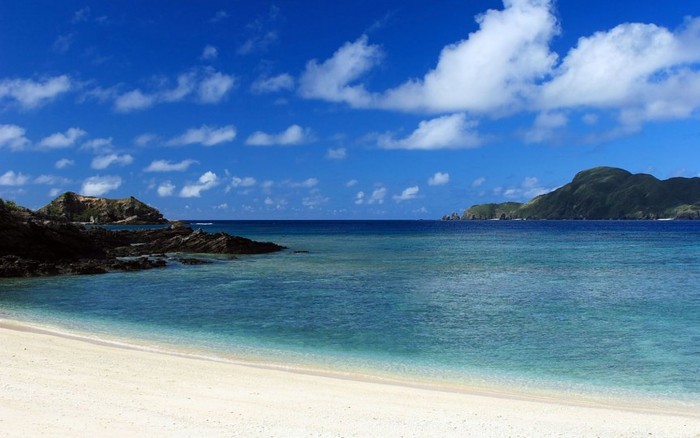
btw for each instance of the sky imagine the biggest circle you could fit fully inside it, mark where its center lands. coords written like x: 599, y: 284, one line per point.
x: 356, y: 109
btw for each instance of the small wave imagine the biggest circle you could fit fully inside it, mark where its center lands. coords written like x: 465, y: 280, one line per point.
x: 204, y: 223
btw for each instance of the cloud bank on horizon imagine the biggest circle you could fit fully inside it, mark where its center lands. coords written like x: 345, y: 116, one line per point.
x: 507, y: 111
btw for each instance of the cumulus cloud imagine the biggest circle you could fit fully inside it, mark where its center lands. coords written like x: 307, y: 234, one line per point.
x: 408, y: 194
x: 492, y: 70
x: 10, y: 178
x: 61, y: 140
x: 281, y: 82
x: 446, y: 132
x: 545, y: 126
x: 244, y: 182
x: 209, y: 52
x: 104, y: 161
x: 63, y: 163
x: 98, y: 145
x: 167, y: 166
x: 99, y: 185
x: 31, y: 94
x: 307, y: 183
x: 207, y: 181
x: 333, y: 79
x: 134, y: 100
x: 336, y: 154
x: 205, y: 135
x: 528, y: 189
x: 12, y: 137
x: 166, y: 189
x: 378, y: 196
x: 145, y: 139
x: 206, y: 86
x: 215, y: 87
x: 439, y: 179
x: 293, y: 135
x: 635, y: 72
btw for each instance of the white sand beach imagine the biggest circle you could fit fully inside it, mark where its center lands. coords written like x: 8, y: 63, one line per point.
x: 56, y: 386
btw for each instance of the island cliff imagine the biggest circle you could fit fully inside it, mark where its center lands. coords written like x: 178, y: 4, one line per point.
x: 89, y: 209
x: 602, y: 193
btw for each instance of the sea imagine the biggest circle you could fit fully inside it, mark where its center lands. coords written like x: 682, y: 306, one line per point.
x: 605, y: 310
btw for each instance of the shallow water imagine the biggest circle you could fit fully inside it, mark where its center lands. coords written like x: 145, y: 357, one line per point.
x: 589, y: 307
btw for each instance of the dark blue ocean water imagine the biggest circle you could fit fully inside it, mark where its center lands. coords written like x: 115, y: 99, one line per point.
x: 577, y: 306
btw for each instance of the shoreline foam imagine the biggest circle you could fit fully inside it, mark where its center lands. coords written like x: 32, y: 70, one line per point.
x: 645, y: 404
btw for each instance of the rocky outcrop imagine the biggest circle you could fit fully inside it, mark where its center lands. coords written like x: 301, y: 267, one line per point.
x: 89, y: 209
x: 32, y: 246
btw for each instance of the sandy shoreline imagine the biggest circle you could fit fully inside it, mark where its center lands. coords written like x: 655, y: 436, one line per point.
x: 58, y: 386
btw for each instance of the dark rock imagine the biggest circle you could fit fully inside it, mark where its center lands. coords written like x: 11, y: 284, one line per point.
x: 191, y: 261
x: 31, y: 246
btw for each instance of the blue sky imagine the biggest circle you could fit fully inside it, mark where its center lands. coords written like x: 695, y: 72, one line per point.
x: 341, y: 110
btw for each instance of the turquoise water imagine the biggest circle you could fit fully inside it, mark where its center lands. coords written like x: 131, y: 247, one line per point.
x: 586, y: 307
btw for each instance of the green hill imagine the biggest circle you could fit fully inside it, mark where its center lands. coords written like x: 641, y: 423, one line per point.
x: 78, y: 208
x: 604, y: 193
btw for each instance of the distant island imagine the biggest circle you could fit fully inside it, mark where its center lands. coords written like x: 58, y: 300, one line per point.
x: 602, y: 193
x: 49, y: 242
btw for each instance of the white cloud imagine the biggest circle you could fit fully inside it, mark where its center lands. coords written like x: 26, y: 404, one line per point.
x: 408, y: 194
x: 378, y: 196
x: 134, y: 100
x: 167, y: 166
x: 10, y: 178
x: 99, y: 185
x: 492, y: 70
x: 207, y: 181
x: 98, y: 145
x: 63, y: 163
x: 166, y: 189
x: 54, y: 192
x: 478, y: 182
x: 219, y: 16
x: 12, y: 137
x: 528, y: 189
x: 446, y: 132
x: 307, y: 183
x: 210, y: 52
x: 206, y: 136
x: 236, y: 182
x: 360, y: 198
x: 51, y: 180
x: 215, y: 87
x: 332, y: 79
x: 204, y: 85
x: 145, y: 139
x: 104, y: 161
x: 31, y: 94
x: 545, y: 126
x: 439, y: 179
x: 63, y: 43
x: 351, y: 183
x: 61, y: 140
x: 293, y: 135
x: 258, y: 43
x: 273, y: 84
x: 337, y: 154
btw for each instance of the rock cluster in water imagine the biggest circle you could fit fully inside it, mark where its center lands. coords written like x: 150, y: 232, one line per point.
x: 31, y: 245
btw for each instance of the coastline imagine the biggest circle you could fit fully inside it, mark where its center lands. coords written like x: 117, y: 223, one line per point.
x: 65, y: 383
